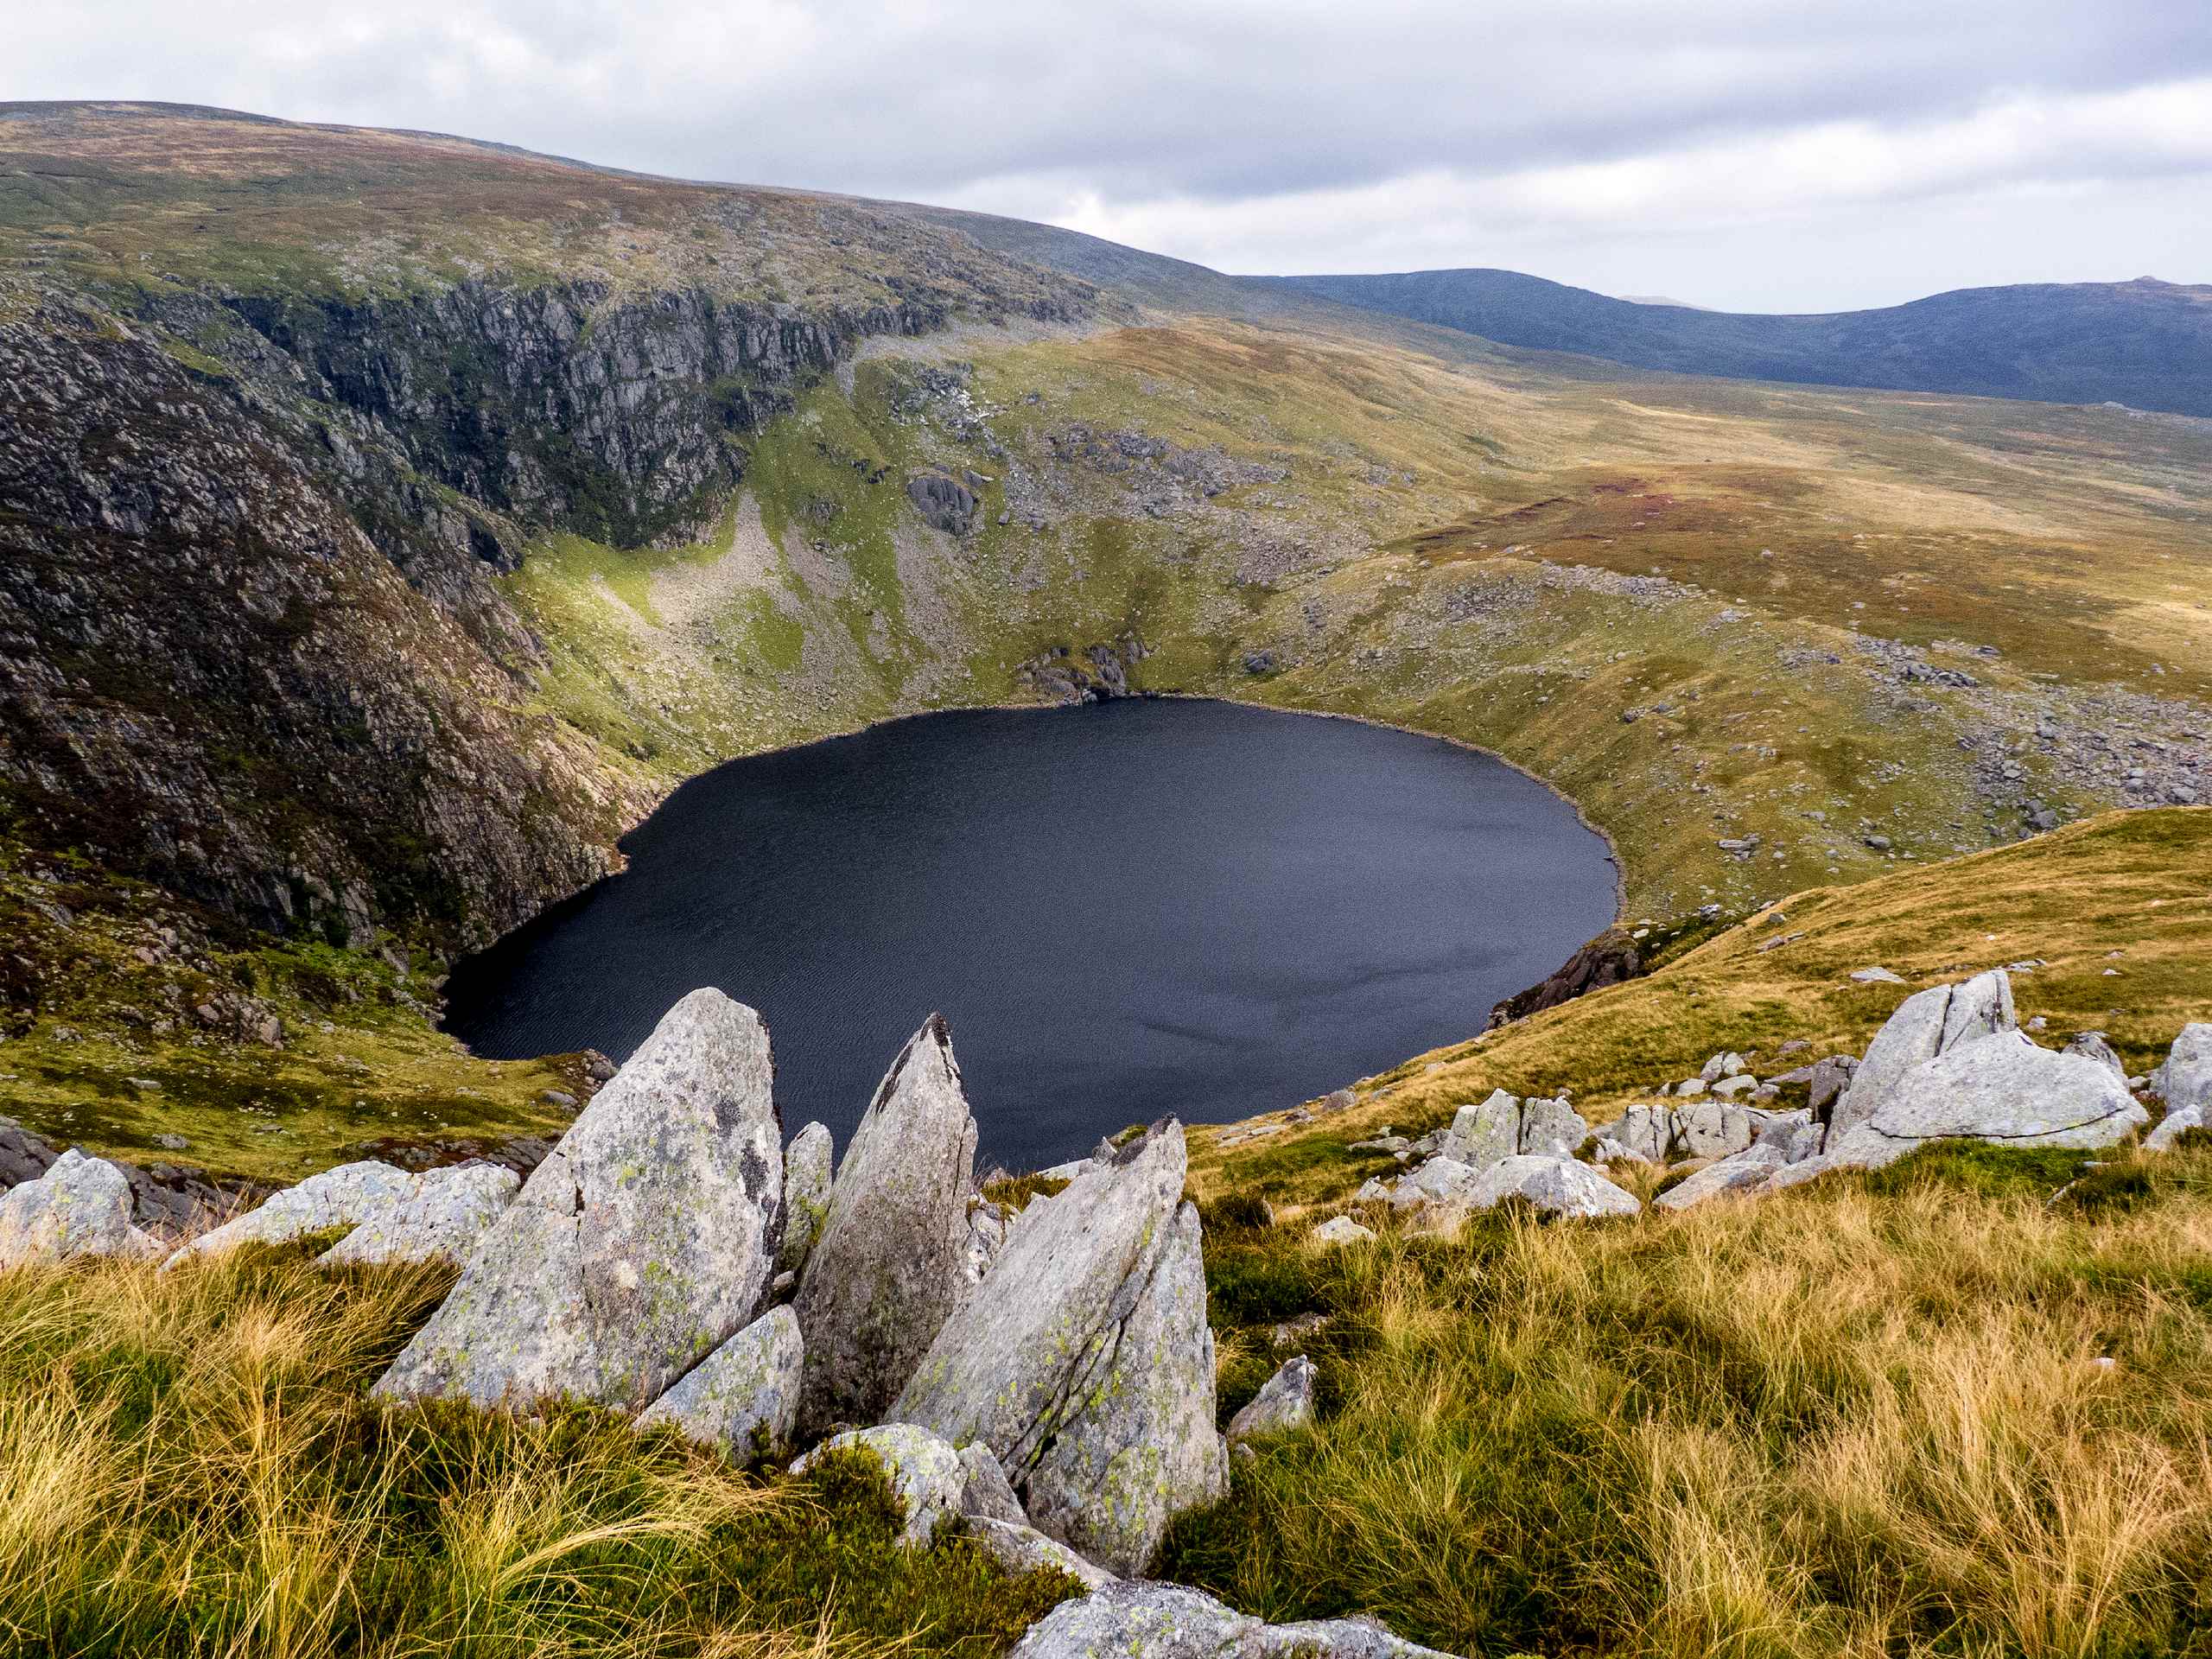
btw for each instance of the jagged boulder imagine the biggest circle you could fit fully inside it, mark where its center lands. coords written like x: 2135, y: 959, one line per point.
x: 348, y: 1196
x: 927, y: 1475
x: 1285, y: 1401
x: 887, y: 1267
x: 742, y: 1398
x: 943, y: 501
x: 1083, y: 1361
x: 1483, y: 1134
x: 1442, y: 1181
x: 2185, y: 1080
x: 80, y: 1207
x: 1171, y: 1620
x: 807, y: 1175
x: 1717, y: 1128
x: 641, y: 1243
x: 1643, y: 1131
x: 443, y: 1218
x: 1926, y: 1024
x: 2003, y: 1090
x: 2091, y: 1045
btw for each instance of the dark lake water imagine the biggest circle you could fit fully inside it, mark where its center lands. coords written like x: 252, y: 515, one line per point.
x: 1123, y: 909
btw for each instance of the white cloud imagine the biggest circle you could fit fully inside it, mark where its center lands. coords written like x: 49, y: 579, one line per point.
x: 1291, y: 133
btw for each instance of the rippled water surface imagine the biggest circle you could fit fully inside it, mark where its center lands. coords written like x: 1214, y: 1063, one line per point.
x: 1124, y: 911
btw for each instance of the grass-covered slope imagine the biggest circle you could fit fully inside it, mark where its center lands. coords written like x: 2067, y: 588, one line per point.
x: 2146, y: 344
x: 1940, y: 1410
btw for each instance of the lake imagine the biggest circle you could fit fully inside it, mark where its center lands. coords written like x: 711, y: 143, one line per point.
x: 1124, y: 910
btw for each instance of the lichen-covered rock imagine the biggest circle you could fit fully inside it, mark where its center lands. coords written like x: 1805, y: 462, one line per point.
x: 1551, y: 1128
x: 641, y: 1244
x: 2003, y: 1090
x: 807, y: 1174
x: 1643, y: 1131
x: 927, y: 1475
x: 1982, y: 1006
x: 1285, y: 1401
x: 1171, y: 1620
x: 1716, y: 1128
x: 1557, y: 1186
x: 988, y: 1226
x: 348, y: 1196
x: 2185, y: 1078
x: 1486, y: 1132
x: 1083, y: 1362
x: 742, y: 1398
x: 1019, y: 1548
x: 988, y: 1494
x: 80, y: 1207
x: 443, y: 1218
x: 887, y: 1269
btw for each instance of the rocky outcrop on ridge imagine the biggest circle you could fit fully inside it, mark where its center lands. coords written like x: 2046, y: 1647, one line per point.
x: 1609, y: 959
x: 886, y: 1268
x: 639, y: 1246
x: 1083, y: 1361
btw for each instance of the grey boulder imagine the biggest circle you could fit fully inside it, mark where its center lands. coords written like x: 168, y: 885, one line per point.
x: 2091, y: 1045
x: 1551, y: 1128
x: 442, y: 1220
x: 1557, y: 1186
x: 80, y: 1207
x: 1742, y: 1172
x: 986, y: 1493
x: 1171, y: 1620
x: 1019, y: 1548
x: 1083, y: 1361
x: 2003, y: 1090
x: 927, y: 1477
x: 1285, y: 1401
x: 1926, y: 1024
x: 1442, y: 1181
x: 638, y: 1246
x: 1486, y: 1132
x: 888, y: 1268
x: 1341, y: 1229
x: 807, y: 1175
x: 743, y: 1398
x: 352, y: 1196
x: 2185, y: 1078
x: 2172, y: 1126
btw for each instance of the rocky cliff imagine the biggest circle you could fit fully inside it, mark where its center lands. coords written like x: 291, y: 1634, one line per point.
x: 250, y: 641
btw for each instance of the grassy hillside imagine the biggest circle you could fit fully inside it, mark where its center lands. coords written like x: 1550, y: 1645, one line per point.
x: 2146, y: 344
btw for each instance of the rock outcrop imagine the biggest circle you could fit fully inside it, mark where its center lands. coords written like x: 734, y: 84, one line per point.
x: 1083, y: 1361
x: 2184, y: 1080
x: 1926, y: 1024
x: 79, y: 1207
x: 887, y: 1266
x: 743, y: 1398
x: 2000, y: 1089
x: 1609, y: 959
x: 640, y: 1244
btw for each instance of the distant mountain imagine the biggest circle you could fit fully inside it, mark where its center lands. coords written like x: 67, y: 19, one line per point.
x: 2146, y: 344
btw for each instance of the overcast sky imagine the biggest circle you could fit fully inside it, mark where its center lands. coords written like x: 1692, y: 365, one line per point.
x: 1756, y: 154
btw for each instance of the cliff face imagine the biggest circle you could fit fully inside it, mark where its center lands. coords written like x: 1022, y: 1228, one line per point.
x: 251, y: 646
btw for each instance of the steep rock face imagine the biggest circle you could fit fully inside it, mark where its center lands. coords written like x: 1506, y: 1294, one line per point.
x: 641, y: 1243
x: 208, y: 674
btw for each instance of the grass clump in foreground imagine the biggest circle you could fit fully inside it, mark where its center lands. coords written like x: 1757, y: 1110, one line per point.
x: 189, y: 1464
x: 1954, y: 1407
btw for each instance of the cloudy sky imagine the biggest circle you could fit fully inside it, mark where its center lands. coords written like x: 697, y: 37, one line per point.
x: 1756, y: 154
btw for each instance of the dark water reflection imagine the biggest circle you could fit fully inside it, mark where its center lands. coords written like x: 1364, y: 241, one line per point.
x: 1124, y: 911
